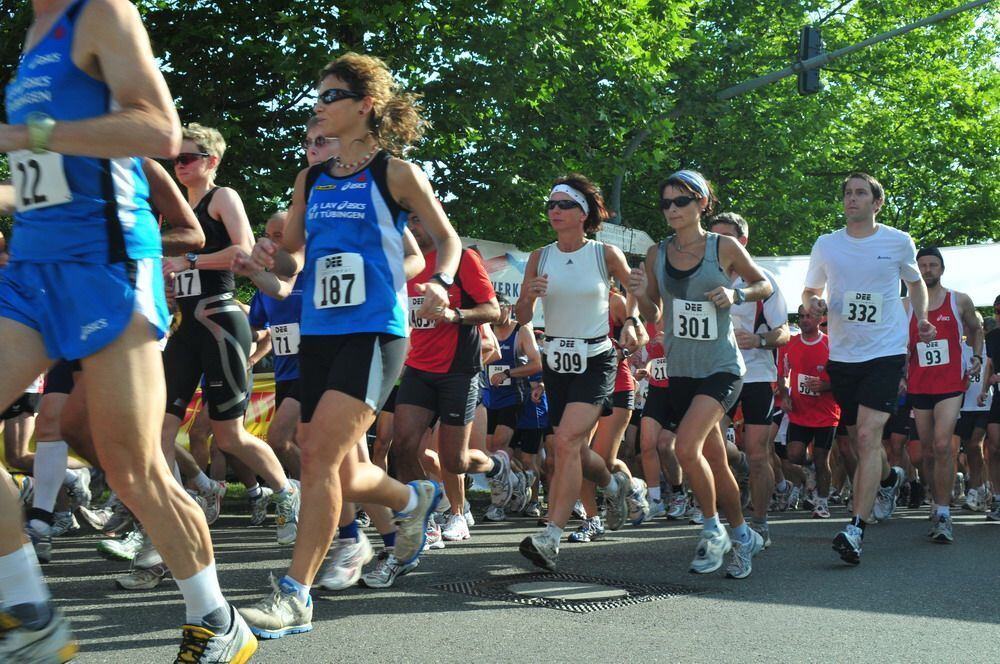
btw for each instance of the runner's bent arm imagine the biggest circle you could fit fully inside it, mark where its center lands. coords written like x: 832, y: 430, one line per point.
x: 973, y: 329
x: 524, y: 308
x: 643, y: 286
x: 734, y: 258
x: 918, y: 300
x: 633, y: 334
x: 413, y: 259
x: 527, y: 345
x: 185, y: 233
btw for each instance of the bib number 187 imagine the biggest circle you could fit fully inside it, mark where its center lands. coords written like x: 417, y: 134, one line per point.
x: 340, y: 281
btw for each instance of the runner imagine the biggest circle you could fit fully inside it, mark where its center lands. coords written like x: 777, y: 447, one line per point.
x: 572, y: 276
x: 936, y: 380
x: 861, y: 266
x: 688, y: 276
x: 345, y: 217
x: 971, y: 431
x: 992, y: 383
x: 84, y: 231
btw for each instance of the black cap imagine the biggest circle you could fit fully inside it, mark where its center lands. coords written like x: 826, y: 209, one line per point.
x: 931, y: 251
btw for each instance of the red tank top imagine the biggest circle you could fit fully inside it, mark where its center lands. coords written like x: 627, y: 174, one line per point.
x: 799, y: 360
x: 624, y: 382
x: 657, y: 360
x: 936, y: 367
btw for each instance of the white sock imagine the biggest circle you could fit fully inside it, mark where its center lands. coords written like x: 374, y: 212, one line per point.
x: 202, y: 594
x: 612, y: 486
x: 21, y: 578
x: 50, y: 470
x: 202, y: 482
x: 654, y: 494
x: 414, y: 500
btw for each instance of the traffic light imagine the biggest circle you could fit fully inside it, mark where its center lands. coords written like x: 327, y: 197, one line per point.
x: 810, y: 45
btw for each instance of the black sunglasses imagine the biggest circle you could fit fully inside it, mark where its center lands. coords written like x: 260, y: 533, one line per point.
x: 186, y: 158
x: 562, y: 205
x: 680, y: 201
x: 318, y: 142
x: 331, y: 95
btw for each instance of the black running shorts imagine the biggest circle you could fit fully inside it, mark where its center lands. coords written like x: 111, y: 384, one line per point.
x: 874, y: 383
x: 450, y: 396
x: 659, y: 408
x: 594, y: 386
x: 723, y: 387
x: 26, y: 404
x: 821, y: 437
x: 757, y: 400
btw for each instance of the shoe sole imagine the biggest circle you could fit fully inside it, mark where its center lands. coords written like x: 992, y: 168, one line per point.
x: 277, y: 634
x: 528, y: 550
x: 245, y: 653
x: 846, y: 551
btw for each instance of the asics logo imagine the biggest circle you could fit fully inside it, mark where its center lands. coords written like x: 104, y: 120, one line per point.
x: 90, y: 328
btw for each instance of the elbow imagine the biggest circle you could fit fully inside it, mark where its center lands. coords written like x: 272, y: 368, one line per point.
x: 165, y: 139
x: 492, y: 312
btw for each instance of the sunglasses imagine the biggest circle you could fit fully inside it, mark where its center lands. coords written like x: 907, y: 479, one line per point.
x: 336, y: 94
x: 318, y: 142
x: 562, y: 205
x: 186, y: 158
x: 680, y: 201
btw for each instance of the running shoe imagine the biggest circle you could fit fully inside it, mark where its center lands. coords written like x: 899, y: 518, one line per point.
x: 121, y: 520
x: 412, y: 527
x: 695, y: 516
x: 958, y: 491
x: 809, y: 501
x: 363, y: 519
x: 143, y: 578
x: 638, y: 504
x: 679, y: 505
x: 521, y: 492
x: 741, y: 561
x: 502, y: 482
x: 540, y: 550
x: 64, y: 523
x: 941, y: 530
x: 147, y: 555
x: 347, y: 559
x: 589, y: 531
x: 79, y: 489
x: 387, y: 570
x: 579, y: 512
x: 42, y: 541
x: 95, y: 518
x: 885, y: 499
x: 52, y: 643
x: 783, y: 498
x: 202, y: 645
x: 821, y: 511
x: 280, y: 614
x: 848, y: 544
x: 469, y: 519
x: 258, y: 506
x: 656, y: 510
x: 617, y: 502
x: 433, y: 539
x: 533, y: 509
x: 25, y: 487
x: 495, y: 513
x: 456, y: 529
x: 213, y: 496
x: 971, y: 502
x: 286, y: 513
x: 793, y: 498
x: 711, y: 549
x: 994, y: 514
x: 123, y: 548
x: 764, y: 530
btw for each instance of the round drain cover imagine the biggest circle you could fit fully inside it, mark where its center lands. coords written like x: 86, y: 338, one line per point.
x: 571, y: 591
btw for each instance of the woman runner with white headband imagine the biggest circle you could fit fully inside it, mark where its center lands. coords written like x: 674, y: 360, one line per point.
x: 571, y: 276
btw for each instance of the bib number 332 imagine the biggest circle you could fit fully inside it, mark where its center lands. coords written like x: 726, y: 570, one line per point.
x: 340, y: 281
x: 862, y: 307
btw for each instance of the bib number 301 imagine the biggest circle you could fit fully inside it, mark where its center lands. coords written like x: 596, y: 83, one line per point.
x: 340, y: 281
x: 567, y: 356
x: 39, y: 180
x: 696, y: 321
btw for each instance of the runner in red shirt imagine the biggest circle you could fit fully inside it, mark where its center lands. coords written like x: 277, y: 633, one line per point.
x: 806, y: 398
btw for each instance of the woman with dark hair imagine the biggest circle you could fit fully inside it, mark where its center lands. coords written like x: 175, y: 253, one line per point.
x: 571, y: 276
x: 685, y: 278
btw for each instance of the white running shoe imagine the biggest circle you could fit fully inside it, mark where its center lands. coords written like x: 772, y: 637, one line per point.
x: 213, y: 500
x: 387, y: 570
x: 711, y: 549
x: 941, y: 530
x: 470, y: 520
x: 885, y: 499
x: 433, y: 540
x: 280, y: 614
x: 540, y: 550
x: 533, y: 510
x: 495, y: 513
x: 579, y: 511
x: 521, y: 493
x: 412, y: 527
x: 638, y: 504
x: 456, y: 529
x: 617, y: 502
x: 679, y: 505
x: 286, y: 513
x: 848, y: 544
x: 764, y: 530
x: 502, y: 482
x: 237, y: 645
x: 695, y: 516
x: 53, y: 643
x: 258, y: 506
x: 41, y: 540
x: 793, y: 498
x: 782, y: 498
x: 79, y: 488
x: 347, y: 559
x: 124, y: 548
x: 656, y: 510
x: 96, y: 519
x: 741, y: 562
x: 821, y: 511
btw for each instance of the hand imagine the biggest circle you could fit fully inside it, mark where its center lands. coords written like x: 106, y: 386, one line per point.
x: 168, y: 285
x: 629, y: 338
x: 174, y: 264
x: 814, y: 384
x: 981, y: 399
x: 817, y: 306
x: 926, y: 330
x: 498, y: 378
x: 435, y: 301
x: 244, y: 265
x: 537, y: 392
x: 994, y: 379
x: 637, y: 280
x: 641, y: 373
x: 721, y: 297
x: 974, y: 368
x: 538, y: 287
x: 746, y: 340
x: 786, y: 403
x: 902, y: 387
x: 262, y: 256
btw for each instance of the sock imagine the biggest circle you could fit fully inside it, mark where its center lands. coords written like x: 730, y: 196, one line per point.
x: 253, y: 491
x: 944, y: 511
x: 762, y: 522
x: 50, y: 471
x: 612, y: 486
x: 492, y: 472
x: 389, y: 540
x: 781, y: 486
x: 742, y: 533
x: 712, y: 524
x: 21, y: 578
x: 553, y: 532
x: 890, y: 480
x: 202, y: 596
x: 40, y: 520
x: 202, y: 482
x: 654, y: 494
x: 293, y: 587
x: 412, y: 502
x: 860, y: 523
x: 677, y: 488
x: 350, y: 531
x: 285, y: 490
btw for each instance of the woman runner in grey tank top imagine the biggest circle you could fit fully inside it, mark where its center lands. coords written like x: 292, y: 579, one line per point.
x: 686, y: 280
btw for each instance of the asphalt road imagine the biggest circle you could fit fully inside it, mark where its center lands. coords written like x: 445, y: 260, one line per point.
x: 909, y: 601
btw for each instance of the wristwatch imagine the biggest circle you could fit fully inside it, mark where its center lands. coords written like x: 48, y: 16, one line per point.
x: 460, y: 316
x: 444, y: 279
x: 739, y: 297
x: 192, y: 259
x: 40, y: 127
x: 763, y: 341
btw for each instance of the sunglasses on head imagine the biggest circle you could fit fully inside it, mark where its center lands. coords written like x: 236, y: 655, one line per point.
x: 186, y: 158
x: 562, y: 205
x: 680, y: 201
x: 331, y: 95
x: 318, y: 142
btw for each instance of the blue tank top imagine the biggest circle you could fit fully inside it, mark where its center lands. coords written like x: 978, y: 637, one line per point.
x: 353, y: 275
x: 71, y: 208
x: 282, y: 319
x: 503, y: 396
x: 534, y: 415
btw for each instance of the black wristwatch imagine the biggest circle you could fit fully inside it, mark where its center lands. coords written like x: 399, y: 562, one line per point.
x: 192, y: 259
x: 444, y: 279
x: 460, y: 316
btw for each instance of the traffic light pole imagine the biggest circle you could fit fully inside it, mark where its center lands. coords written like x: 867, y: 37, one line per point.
x: 824, y: 58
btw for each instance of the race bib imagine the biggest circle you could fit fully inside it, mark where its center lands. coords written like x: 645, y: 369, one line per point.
x: 933, y: 353
x: 340, y: 281
x: 862, y: 307
x: 659, y: 369
x: 567, y: 356
x: 39, y: 180
x: 803, y: 389
x: 495, y: 369
x: 187, y: 283
x: 285, y: 339
x: 695, y: 320
x: 416, y: 322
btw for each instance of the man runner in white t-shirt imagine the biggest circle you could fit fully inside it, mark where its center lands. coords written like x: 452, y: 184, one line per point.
x: 860, y: 266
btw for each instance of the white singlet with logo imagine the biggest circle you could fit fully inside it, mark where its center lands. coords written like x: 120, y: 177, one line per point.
x: 760, y: 361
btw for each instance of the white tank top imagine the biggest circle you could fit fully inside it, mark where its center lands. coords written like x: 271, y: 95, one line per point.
x: 576, y: 302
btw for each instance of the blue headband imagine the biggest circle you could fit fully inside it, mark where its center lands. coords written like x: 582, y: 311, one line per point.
x: 692, y: 179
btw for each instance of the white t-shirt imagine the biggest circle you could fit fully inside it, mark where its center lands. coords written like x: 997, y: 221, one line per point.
x: 760, y: 361
x: 971, y: 401
x: 862, y: 276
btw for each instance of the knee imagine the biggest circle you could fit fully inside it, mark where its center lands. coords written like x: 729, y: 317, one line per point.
x: 761, y: 455
x: 943, y: 448
x: 688, y: 457
x: 564, y: 444
x: 455, y: 462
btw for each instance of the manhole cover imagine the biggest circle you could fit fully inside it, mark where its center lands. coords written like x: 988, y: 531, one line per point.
x: 567, y: 592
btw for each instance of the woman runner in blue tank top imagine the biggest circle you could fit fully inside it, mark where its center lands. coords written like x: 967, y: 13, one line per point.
x: 687, y: 275
x: 344, y: 234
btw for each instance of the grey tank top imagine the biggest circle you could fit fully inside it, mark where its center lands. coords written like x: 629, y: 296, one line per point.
x: 698, y: 339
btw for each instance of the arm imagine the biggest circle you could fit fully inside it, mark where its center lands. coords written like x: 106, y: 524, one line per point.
x: 734, y: 258
x: 532, y: 288
x: 267, y: 282
x: 918, y: 300
x: 489, y: 347
x: 643, y: 286
x: 973, y: 330
x: 263, y: 341
x: 987, y: 382
x: 113, y: 46
x: 413, y: 259
x: 526, y: 342
x: 185, y: 233
x: 6, y: 199
x: 287, y: 259
x: 633, y: 334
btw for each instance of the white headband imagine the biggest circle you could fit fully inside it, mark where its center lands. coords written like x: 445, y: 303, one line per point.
x: 577, y: 197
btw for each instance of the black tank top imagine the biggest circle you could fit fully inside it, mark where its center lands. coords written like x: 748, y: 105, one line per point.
x: 213, y: 282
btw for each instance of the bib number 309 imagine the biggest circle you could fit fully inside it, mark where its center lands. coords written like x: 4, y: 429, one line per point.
x: 340, y: 281
x: 39, y: 180
x: 567, y: 356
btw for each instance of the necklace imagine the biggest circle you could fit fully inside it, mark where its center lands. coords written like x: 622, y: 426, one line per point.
x: 680, y: 249
x: 350, y: 167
